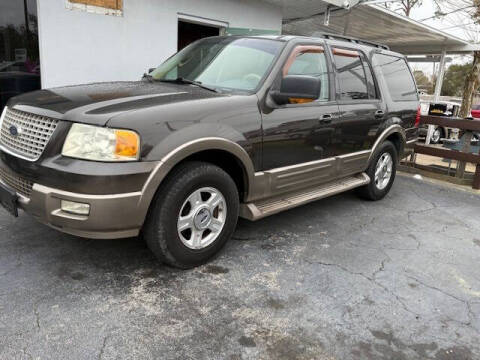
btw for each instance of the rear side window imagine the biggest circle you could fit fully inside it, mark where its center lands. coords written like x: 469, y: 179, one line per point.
x: 398, y: 77
x: 355, y: 79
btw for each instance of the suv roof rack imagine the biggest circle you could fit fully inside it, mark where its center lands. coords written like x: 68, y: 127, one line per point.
x: 353, y: 40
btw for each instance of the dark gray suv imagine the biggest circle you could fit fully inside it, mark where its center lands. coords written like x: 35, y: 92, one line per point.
x: 227, y: 127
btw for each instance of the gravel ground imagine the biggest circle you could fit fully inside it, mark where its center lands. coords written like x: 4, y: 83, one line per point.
x: 340, y: 278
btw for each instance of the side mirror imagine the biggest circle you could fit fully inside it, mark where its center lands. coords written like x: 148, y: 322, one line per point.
x: 150, y: 70
x: 297, y: 87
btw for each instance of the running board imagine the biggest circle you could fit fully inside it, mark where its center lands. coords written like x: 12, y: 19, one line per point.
x: 260, y: 209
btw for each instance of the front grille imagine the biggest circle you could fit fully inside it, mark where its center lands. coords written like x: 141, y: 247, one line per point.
x: 26, y: 134
x: 17, y: 183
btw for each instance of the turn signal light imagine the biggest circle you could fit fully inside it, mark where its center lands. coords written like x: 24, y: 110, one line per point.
x: 299, y: 100
x: 127, y: 143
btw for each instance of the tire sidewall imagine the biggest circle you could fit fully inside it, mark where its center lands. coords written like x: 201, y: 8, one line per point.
x: 386, y: 147
x: 171, y: 210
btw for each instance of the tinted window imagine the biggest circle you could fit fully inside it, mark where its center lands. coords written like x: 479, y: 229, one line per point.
x: 312, y: 64
x: 352, y: 82
x: 398, y: 77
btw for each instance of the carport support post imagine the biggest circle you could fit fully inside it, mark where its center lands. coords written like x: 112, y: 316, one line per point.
x: 438, y: 91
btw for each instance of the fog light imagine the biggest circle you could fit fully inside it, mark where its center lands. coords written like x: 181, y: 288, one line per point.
x: 75, y: 207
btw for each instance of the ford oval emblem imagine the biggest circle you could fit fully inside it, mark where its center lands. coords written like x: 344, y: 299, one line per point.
x: 14, y: 131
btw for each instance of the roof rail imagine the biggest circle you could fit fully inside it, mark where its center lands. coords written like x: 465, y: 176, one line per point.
x: 351, y: 39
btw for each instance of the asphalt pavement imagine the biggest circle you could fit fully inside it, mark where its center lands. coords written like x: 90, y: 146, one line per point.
x: 341, y: 278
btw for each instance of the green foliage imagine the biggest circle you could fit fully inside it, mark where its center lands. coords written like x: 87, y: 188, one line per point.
x: 422, y: 80
x: 454, y: 80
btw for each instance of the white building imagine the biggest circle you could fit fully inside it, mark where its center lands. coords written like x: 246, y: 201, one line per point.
x: 66, y: 42
x: 81, y: 43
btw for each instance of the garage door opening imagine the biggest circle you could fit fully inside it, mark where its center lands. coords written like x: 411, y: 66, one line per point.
x: 189, y: 32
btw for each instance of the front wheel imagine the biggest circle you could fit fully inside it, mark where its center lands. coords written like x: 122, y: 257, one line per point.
x: 193, y: 215
x: 382, y: 171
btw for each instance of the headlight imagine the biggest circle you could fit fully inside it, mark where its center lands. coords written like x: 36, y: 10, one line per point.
x: 101, y: 144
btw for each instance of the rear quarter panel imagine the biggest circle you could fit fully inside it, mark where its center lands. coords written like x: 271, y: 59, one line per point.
x: 402, y: 113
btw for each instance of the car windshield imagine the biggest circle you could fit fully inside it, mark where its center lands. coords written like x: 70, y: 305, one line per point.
x: 222, y: 63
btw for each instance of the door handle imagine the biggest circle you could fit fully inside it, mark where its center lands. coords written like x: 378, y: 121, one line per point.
x: 379, y: 114
x: 325, y: 119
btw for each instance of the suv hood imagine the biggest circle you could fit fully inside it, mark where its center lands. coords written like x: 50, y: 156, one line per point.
x: 97, y: 103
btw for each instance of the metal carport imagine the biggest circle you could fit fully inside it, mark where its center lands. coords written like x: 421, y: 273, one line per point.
x: 377, y: 24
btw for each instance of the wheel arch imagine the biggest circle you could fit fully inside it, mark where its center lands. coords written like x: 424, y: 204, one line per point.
x: 226, y: 154
x: 395, y: 134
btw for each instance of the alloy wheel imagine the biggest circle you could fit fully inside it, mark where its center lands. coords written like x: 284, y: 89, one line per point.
x: 383, y: 171
x: 202, y: 218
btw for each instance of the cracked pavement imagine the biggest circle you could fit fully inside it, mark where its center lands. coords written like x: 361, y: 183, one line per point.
x: 340, y: 278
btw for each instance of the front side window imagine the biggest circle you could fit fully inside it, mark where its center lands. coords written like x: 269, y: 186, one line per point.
x: 312, y: 63
x: 351, y: 78
x: 397, y: 76
x: 222, y: 63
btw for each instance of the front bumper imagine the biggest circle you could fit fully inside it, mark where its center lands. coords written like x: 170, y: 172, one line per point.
x: 112, y: 214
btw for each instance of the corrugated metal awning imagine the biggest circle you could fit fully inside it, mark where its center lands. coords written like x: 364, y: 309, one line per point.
x: 378, y: 24
x: 302, y: 8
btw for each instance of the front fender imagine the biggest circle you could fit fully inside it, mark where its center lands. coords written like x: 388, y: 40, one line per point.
x: 174, y: 149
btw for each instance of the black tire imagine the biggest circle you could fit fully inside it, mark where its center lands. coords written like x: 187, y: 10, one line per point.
x: 371, y: 191
x: 160, y: 229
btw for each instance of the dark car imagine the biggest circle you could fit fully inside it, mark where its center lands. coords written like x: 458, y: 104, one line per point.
x: 228, y: 127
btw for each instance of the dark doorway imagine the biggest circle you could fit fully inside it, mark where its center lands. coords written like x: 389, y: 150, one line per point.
x: 190, y: 32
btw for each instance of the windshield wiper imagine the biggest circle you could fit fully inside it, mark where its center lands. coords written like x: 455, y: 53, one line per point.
x: 181, y: 80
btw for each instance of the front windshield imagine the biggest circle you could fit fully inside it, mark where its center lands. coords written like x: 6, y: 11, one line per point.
x: 222, y: 63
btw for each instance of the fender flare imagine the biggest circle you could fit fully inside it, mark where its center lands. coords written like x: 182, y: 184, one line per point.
x: 174, y: 157
x: 393, y: 129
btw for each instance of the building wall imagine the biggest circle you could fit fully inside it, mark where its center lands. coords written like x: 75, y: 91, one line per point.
x: 80, y: 47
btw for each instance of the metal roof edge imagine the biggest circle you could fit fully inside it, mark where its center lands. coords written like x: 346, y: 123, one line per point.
x: 423, y: 26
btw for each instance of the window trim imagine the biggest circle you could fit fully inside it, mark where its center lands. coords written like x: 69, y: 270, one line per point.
x: 315, y: 49
x: 353, y: 53
x: 279, y: 76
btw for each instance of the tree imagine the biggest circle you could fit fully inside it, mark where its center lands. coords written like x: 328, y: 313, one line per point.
x: 422, y: 80
x: 408, y: 5
x: 404, y: 6
x: 471, y: 84
x: 472, y: 79
x: 454, y: 80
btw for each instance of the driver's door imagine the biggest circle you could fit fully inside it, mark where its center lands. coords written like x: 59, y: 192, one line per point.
x: 301, y: 131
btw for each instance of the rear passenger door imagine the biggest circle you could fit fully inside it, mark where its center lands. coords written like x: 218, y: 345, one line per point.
x: 361, y: 111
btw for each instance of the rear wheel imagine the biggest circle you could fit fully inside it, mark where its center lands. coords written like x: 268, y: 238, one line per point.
x: 193, y: 215
x: 382, y: 171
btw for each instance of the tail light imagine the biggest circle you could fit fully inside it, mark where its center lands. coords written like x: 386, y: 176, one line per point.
x: 417, y: 118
